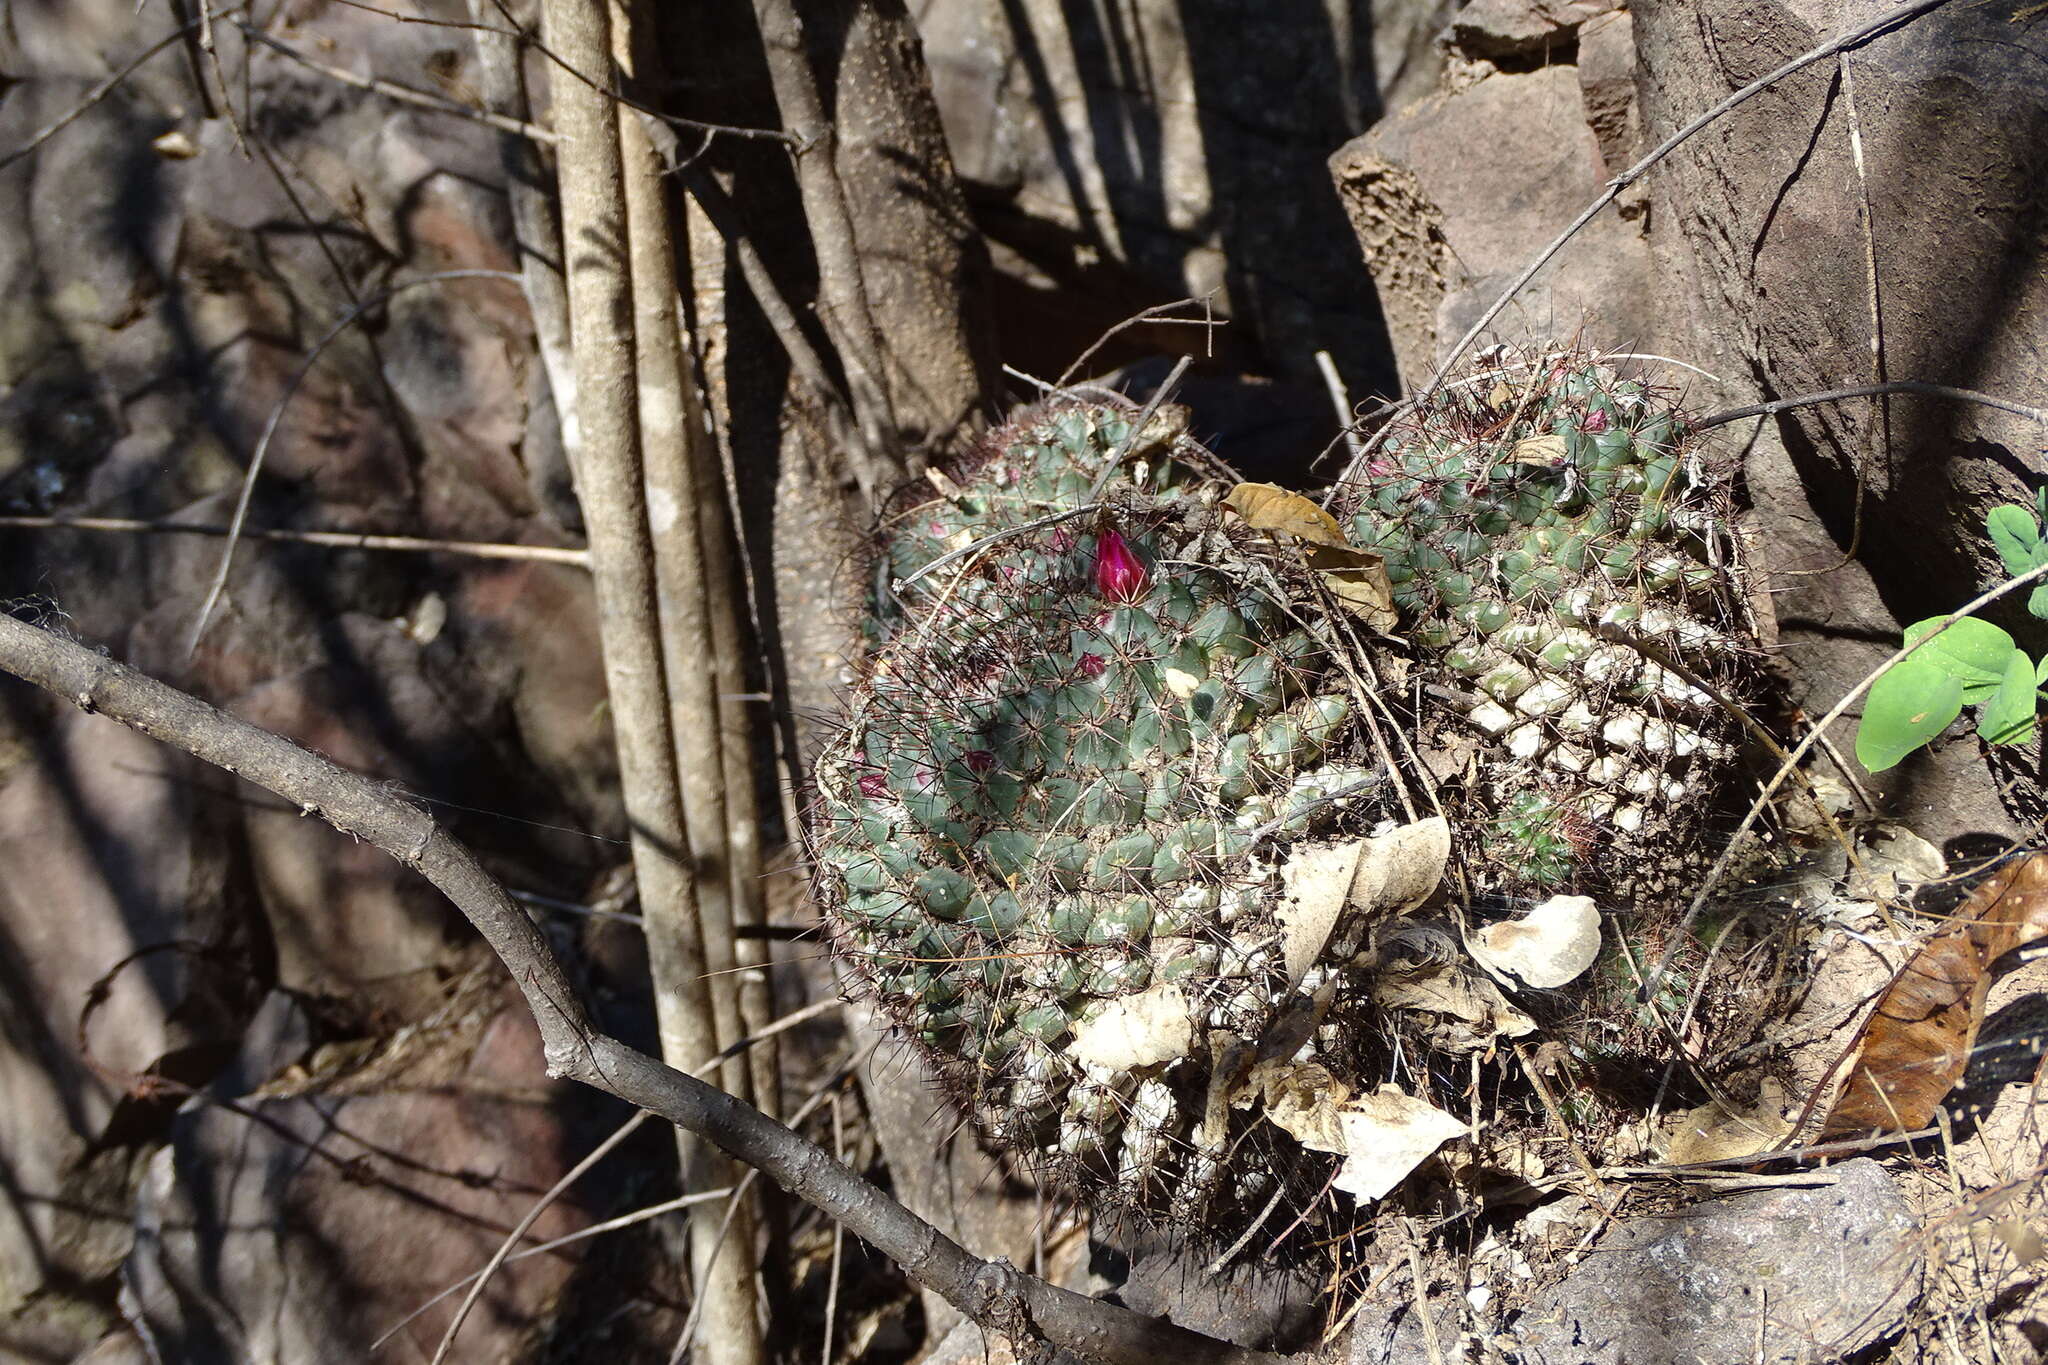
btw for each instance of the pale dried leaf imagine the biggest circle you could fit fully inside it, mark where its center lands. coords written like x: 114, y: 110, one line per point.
x: 1316, y: 880
x: 1463, y: 996
x: 1149, y: 1027
x: 1387, y: 1135
x: 1550, y: 946
x: 1398, y: 871
x: 1714, y: 1132
x: 1269, y: 507
x: 174, y: 146
x: 1548, y: 450
x: 1180, y: 682
x: 1304, y: 1099
x: 2021, y: 1240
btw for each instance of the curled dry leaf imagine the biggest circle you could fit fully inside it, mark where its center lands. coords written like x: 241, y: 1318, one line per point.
x: 1470, y: 999
x: 1382, y: 1137
x: 1137, y: 1030
x: 1356, y: 578
x: 1387, y: 1135
x: 1716, y: 1132
x: 1389, y: 874
x: 1916, y: 1044
x: 1551, y: 945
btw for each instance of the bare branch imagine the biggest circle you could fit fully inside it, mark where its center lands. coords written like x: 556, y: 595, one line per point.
x: 340, y: 540
x: 992, y: 1293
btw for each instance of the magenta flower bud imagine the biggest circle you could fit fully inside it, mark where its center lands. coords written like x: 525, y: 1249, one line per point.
x: 1595, y: 423
x: 873, y: 786
x: 979, y: 760
x: 1091, y: 665
x: 1119, y: 577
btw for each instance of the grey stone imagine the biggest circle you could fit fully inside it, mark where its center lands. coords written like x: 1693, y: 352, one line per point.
x: 1783, y: 1275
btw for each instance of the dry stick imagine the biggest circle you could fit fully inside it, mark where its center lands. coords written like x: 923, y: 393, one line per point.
x: 1340, y: 400
x: 671, y: 427
x: 992, y: 1293
x: 594, y: 232
x: 670, y: 420
x: 1883, y: 23
x: 536, y: 223
x: 1873, y: 296
x: 341, y: 540
x: 1798, y: 754
x: 838, y: 1241
x: 842, y: 287
x: 404, y: 94
x: 249, y: 476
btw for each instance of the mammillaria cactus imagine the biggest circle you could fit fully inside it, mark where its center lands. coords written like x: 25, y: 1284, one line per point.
x: 1045, y: 837
x: 1559, y: 547
x: 1108, y: 724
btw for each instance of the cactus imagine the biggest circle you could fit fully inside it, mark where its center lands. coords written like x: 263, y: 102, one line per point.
x: 1052, y: 795
x: 1561, y: 552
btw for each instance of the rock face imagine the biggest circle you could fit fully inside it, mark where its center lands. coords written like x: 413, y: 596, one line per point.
x: 1748, y: 253
x: 1151, y: 150
x: 1787, y: 1275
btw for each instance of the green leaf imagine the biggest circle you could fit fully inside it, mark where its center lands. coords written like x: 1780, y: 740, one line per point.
x: 1975, y: 653
x: 2017, y: 535
x: 2041, y: 672
x: 2037, y: 602
x: 1909, y: 705
x: 2008, y: 718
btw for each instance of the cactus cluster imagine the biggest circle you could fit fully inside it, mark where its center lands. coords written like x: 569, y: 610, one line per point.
x: 1100, y: 710
x: 1558, y: 546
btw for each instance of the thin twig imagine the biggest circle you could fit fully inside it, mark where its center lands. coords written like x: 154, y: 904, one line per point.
x: 1340, y: 400
x: 1883, y: 23
x: 348, y: 319
x: 1156, y: 313
x: 1807, y: 400
x: 1873, y: 297
x: 1137, y: 428
x: 340, y: 540
x: 519, y: 1229
x: 1007, y: 533
x: 404, y: 94
x: 95, y: 95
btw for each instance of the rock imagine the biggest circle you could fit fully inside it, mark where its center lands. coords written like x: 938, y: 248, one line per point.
x: 1152, y: 150
x: 1792, y: 1275
x: 1453, y: 197
x: 1494, y: 30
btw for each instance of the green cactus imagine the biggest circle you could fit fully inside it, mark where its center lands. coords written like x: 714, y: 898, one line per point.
x: 1049, y: 796
x: 1562, y: 552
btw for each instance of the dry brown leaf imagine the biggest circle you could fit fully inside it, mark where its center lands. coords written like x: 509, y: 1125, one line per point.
x: 1916, y: 1044
x: 1550, y: 946
x: 1269, y: 507
x: 1356, y: 578
x: 1154, y: 1025
x: 1387, y: 1135
x: 1457, y: 994
x: 1389, y: 874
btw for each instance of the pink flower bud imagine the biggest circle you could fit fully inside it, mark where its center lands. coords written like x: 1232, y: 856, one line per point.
x: 1119, y: 577
x: 1595, y: 423
x: 979, y: 760
x: 873, y: 786
x: 1091, y: 665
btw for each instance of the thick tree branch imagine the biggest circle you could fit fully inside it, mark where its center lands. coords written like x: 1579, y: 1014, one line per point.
x: 993, y: 1293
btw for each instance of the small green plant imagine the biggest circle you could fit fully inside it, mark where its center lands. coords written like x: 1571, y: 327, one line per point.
x: 1971, y: 663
